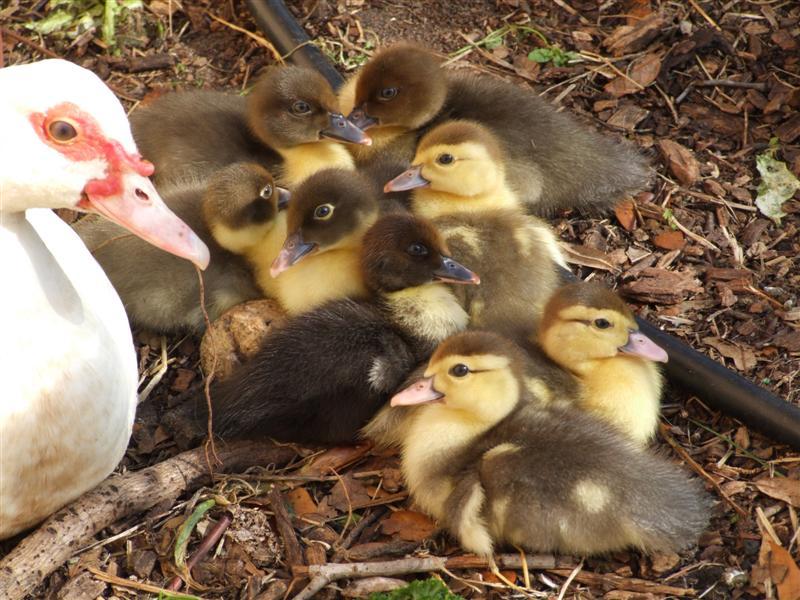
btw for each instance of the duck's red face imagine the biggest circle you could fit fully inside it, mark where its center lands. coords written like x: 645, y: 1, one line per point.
x: 124, y: 194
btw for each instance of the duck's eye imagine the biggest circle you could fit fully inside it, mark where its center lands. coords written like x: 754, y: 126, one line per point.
x: 301, y: 107
x: 62, y: 131
x: 388, y: 93
x: 602, y: 323
x: 445, y: 159
x: 459, y: 370
x: 323, y: 212
x: 417, y: 249
x: 266, y: 192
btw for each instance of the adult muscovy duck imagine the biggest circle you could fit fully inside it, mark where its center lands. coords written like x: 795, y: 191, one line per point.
x: 68, y: 372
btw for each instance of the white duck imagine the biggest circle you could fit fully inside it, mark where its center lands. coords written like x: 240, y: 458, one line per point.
x: 68, y: 372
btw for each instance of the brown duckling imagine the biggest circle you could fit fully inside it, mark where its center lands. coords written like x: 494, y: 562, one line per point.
x: 589, y: 331
x: 459, y: 183
x: 319, y: 261
x: 288, y: 123
x: 320, y: 376
x: 236, y: 209
x: 496, y: 470
x: 553, y: 161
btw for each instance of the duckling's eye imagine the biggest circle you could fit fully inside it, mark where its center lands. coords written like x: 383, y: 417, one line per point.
x: 445, y: 159
x: 388, y: 93
x: 417, y: 249
x: 266, y: 192
x: 62, y: 131
x: 602, y: 323
x: 301, y: 107
x: 323, y: 212
x: 459, y: 370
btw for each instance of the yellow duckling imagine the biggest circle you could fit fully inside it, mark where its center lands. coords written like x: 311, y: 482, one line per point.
x: 458, y: 178
x: 497, y: 470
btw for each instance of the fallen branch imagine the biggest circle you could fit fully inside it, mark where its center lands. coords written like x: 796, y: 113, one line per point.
x: 608, y: 581
x: 47, y: 548
x: 323, y: 575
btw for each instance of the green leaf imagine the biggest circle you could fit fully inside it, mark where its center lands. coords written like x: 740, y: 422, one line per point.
x: 778, y: 184
x: 185, y: 532
x: 55, y: 21
x: 427, y: 589
x: 541, y: 55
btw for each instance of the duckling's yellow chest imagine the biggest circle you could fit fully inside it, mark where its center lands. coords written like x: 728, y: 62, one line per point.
x: 433, y: 435
x: 300, y: 162
x: 626, y: 391
x: 319, y: 278
x: 261, y: 255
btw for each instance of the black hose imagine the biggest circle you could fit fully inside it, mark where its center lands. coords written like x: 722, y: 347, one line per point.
x: 717, y: 386
x: 286, y: 34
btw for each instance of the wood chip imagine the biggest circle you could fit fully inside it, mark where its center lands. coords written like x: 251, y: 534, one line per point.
x: 680, y: 161
x: 661, y: 286
x: 408, y: 525
x: 789, y: 340
x: 627, y: 39
x: 670, y: 240
x: 628, y: 117
x: 790, y: 130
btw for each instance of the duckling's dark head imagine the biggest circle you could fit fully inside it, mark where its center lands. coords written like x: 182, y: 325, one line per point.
x: 402, y: 251
x: 240, y: 205
x: 294, y: 105
x: 400, y: 86
x: 584, y: 321
x: 330, y: 210
x: 462, y: 158
x: 479, y: 372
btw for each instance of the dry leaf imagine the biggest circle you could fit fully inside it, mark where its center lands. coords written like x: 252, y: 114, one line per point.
x: 642, y: 72
x: 670, y: 240
x: 625, y: 214
x: 301, y: 502
x: 587, y: 257
x: 334, y: 459
x: 632, y: 38
x: 743, y: 357
x: 681, y: 161
x: 408, y: 525
x: 628, y: 117
x: 781, y: 568
x: 356, y: 493
x: 781, y: 488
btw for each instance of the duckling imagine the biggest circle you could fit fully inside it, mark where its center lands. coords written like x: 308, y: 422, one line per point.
x: 234, y: 211
x: 319, y: 261
x: 459, y: 183
x: 553, y: 161
x: 288, y: 123
x: 319, y: 377
x: 589, y: 331
x: 496, y: 470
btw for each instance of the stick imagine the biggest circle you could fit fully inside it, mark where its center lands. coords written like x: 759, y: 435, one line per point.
x: 294, y: 553
x: 630, y: 584
x: 322, y: 575
x: 211, y: 539
x: 47, y: 548
x: 748, y: 85
x: 30, y: 43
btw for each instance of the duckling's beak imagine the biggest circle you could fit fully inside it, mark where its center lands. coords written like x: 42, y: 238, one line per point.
x: 452, y: 272
x: 293, y: 251
x: 284, y: 196
x: 341, y: 129
x: 641, y: 345
x: 407, y: 180
x: 361, y: 119
x: 418, y: 393
x: 137, y: 207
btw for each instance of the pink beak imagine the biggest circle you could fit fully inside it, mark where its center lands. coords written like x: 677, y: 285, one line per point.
x: 418, y: 393
x: 641, y: 345
x: 138, y: 208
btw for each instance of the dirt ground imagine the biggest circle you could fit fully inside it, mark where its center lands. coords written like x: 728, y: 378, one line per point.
x: 702, y: 87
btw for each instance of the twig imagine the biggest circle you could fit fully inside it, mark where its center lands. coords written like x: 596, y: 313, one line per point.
x: 698, y: 469
x: 610, y: 580
x: 74, y: 526
x: 593, y: 56
x: 704, y: 14
x: 137, y: 585
x: 30, y: 43
x: 209, y: 541
x: 673, y: 222
x: 749, y: 85
x: 294, y: 554
x: 163, y: 365
x: 355, y: 532
x: 209, y: 445
x: 253, y: 36
x: 569, y: 581
x: 322, y: 575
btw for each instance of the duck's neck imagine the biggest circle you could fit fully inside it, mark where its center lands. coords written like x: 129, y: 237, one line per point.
x: 430, y: 203
x: 428, y: 311
x: 303, y: 160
